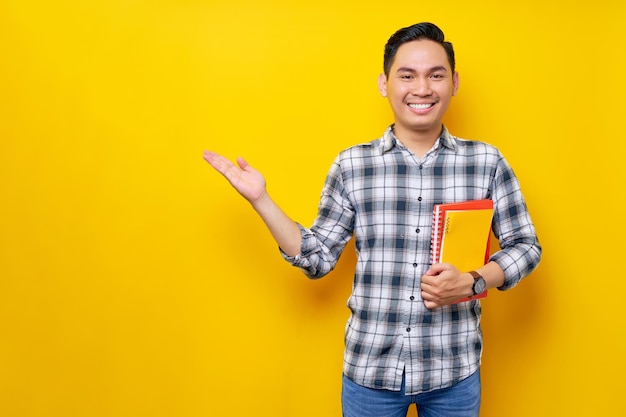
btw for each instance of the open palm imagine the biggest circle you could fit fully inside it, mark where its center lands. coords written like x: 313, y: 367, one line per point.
x: 249, y: 182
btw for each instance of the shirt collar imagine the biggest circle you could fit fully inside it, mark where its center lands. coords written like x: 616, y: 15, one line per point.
x: 389, y: 140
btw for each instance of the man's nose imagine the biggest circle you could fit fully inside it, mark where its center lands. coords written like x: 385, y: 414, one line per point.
x: 421, y: 87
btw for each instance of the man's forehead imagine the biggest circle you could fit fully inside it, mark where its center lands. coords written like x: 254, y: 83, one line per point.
x: 421, y: 54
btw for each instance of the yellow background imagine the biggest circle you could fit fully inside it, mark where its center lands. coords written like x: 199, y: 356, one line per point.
x: 135, y: 282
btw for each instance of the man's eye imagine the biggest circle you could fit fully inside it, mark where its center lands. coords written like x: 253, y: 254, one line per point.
x: 406, y: 77
x: 437, y: 76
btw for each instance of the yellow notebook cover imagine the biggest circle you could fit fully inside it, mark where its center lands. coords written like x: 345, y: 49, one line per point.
x: 461, y: 235
x: 465, y: 237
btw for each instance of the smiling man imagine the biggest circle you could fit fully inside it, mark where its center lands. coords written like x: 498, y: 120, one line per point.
x: 408, y: 340
x: 419, y: 82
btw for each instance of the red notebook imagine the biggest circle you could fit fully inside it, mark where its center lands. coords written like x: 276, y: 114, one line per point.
x: 461, y: 235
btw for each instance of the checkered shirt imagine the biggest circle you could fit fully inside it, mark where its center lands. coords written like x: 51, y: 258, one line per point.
x: 383, y: 195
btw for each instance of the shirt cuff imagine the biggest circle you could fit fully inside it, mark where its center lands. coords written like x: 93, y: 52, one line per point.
x: 512, y: 273
x: 308, y: 247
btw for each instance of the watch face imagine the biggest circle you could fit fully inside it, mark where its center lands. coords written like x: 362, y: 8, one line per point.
x: 479, y: 285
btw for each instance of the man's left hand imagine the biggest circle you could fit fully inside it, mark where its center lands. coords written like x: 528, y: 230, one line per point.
x: 443, y: 284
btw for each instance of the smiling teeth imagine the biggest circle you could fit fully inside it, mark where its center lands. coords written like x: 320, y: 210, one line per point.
x: 420, y: 106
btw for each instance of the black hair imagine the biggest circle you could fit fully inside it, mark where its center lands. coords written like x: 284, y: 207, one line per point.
x: 424, y: 30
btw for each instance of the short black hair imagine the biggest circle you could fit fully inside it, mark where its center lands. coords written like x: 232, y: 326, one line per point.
x: 424, y: 30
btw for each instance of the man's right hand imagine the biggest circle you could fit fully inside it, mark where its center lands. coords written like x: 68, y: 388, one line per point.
x: 246, y: 180
x: 251, y: 185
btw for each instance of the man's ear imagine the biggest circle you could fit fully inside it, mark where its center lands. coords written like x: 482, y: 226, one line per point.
x: 382, y: 85
x: 455, y: 83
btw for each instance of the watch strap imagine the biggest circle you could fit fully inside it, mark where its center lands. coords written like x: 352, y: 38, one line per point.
x: 477, y: 277
x: 475, y: 274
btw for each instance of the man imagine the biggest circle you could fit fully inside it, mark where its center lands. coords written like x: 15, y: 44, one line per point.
x: 407, y: 340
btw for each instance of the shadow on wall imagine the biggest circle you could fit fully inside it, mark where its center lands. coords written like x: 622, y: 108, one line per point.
x: 517, y: 328
x: 243, y: 242
x: 327, y: 295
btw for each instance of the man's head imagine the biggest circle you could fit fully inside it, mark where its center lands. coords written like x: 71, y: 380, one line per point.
x: 419, y: 80
x: 415, y: 32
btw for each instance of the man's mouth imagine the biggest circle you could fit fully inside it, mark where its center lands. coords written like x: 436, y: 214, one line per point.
x: 418, y: 106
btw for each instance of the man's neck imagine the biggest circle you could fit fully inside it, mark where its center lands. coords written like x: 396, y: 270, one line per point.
x: 418, y: 142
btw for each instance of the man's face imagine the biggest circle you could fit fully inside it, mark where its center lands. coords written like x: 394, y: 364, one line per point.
x: 419, y: 88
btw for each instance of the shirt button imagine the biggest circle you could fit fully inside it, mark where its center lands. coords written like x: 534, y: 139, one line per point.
x: 417, y: 230
x: 408, y: 329
x: 412, y: 298
x: 419, y: 198
x: 415, y: 265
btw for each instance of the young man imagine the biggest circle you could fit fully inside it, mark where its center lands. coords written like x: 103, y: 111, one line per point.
x: 407, y: 341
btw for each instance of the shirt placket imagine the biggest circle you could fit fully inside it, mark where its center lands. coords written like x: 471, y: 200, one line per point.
x: 418, y: 224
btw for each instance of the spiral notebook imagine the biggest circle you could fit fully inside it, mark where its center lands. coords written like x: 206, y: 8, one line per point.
x: 462, y: 234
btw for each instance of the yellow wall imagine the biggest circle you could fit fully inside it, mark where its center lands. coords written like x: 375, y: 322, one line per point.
x: 135, y: 282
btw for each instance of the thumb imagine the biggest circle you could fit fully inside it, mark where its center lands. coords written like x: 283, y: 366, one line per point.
x: 435, y: 269
x: 243, y: 164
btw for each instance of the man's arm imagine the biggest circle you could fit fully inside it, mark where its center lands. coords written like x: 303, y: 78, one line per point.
x: 250, y: 183
x: 519, y: 252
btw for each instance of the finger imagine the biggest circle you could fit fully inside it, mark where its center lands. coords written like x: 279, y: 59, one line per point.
x: 427, y: 280
x: 436, y: 269
x: 243, y: 164
x: 210, y: 156
x: 430, y: 304
x: 426, y: 295
x: 432, y: 280
x: 428, y: 292
x: 218, y: 162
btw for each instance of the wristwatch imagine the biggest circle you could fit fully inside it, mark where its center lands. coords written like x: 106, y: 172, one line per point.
x: 479, y: 283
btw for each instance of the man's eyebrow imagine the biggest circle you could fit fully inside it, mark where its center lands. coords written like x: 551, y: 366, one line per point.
x: 413, y: 71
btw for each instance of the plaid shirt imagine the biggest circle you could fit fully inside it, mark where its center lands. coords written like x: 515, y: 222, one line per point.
x: 381, y: 193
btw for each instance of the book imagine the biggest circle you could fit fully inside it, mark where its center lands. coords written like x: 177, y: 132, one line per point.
x: 461, y: 235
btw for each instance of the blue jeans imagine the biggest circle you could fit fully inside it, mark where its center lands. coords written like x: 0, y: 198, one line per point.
x: 459, y: 400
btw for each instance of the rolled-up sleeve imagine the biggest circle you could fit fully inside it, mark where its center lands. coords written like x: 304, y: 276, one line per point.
x: 324, y: 242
